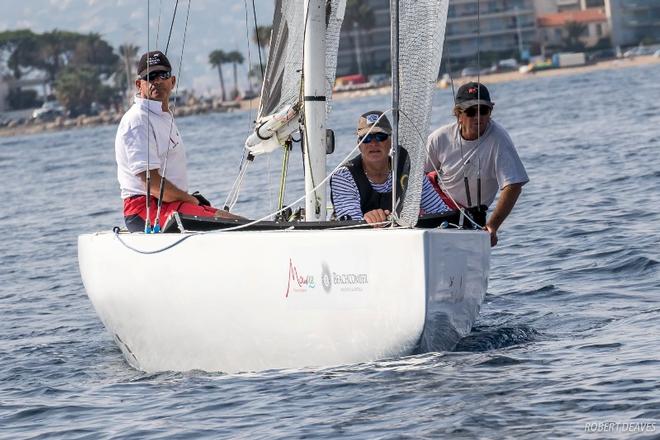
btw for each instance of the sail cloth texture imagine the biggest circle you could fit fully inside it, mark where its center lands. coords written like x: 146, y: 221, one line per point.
x: 283, y: 77
x: 422, y: 26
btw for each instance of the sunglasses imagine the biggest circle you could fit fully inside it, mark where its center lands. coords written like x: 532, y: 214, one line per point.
x: 471, y: 112
x: 153, y: 75
x: 379, y: 137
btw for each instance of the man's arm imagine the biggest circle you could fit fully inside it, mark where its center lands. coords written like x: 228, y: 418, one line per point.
x: 170, y: 192
x: 505, y: 203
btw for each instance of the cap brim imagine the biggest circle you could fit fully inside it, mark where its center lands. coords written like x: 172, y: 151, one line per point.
x: 156, y: 68
x: 473, y: 102
x: 372, y: 129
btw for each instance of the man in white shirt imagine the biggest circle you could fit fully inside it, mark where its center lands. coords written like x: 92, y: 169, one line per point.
x: 474, y: 157
x: 148, y: 145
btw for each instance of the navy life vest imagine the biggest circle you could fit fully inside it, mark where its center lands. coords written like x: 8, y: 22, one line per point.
x: 371, y: 199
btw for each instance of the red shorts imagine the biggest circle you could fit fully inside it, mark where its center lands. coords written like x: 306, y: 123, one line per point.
x: 136, y: 206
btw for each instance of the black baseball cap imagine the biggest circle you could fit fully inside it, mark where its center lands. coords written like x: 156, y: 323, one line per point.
x: 157, y: 62
x: 471, y: 94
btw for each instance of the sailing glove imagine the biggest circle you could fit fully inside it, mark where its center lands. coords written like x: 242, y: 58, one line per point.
x: 202, y: 200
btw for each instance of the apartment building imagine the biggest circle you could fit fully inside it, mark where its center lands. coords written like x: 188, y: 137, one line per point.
x: 634, y: 21
x: 495, y: 28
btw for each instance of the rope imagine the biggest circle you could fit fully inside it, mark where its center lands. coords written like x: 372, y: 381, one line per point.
x: 139, y: 251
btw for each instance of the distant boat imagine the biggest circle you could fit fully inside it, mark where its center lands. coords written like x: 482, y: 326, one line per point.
x: 308, y: 293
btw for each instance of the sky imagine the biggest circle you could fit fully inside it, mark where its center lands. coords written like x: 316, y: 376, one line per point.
x: 212, y: 24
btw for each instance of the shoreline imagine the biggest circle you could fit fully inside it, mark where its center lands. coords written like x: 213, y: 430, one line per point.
x: 107, y: 118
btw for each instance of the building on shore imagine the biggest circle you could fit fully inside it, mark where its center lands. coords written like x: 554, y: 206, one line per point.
x: 623, y: 22
x: 500, y: 29
x: 634, y: 22
x: 494, y: 28
x: 592, y: 22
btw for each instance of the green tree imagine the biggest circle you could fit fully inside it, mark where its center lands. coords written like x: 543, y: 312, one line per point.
x: 216, y: 59
x: 235, y: 58
x: 17, y: 49
x: 358, y: 17
x: 78, y: 87
x: 572, y: 34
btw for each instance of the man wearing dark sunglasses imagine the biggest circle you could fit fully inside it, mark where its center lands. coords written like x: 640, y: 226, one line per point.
x: 362, y: 188
x: 474, y: 157
x: 149, y: 140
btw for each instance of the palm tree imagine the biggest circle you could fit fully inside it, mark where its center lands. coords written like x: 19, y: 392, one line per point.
x: 235, y: 58
x: 359, y: 16
x: 128, y: 53
x: 217, y: 58
x: 261, y: 36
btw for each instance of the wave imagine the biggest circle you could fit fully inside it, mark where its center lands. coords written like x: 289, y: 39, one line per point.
x: 496, y: 338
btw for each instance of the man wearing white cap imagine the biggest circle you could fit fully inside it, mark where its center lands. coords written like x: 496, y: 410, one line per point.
x: 362, y: 188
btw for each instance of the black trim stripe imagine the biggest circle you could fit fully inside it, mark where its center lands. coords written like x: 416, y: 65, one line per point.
x: 314, y: 98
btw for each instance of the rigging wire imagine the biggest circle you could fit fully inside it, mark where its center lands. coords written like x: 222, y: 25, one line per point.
x: 171, y: 111
x: 256, y: 32
x: 167, y: 46
x: 160, y: 10
x: 147, y: 222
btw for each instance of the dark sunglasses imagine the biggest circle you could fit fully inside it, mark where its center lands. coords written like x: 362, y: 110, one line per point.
x: 379, y: 137
x: 153, y: 75
x: 471, y: 112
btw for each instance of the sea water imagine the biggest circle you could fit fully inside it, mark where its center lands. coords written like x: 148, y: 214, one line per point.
x: 566, y: 346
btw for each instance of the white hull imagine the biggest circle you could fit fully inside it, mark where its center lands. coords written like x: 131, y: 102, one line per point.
x: 247, y: 301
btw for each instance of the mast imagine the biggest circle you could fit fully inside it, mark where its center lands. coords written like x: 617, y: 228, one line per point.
x: 394, y: 54
x: 314, y: 108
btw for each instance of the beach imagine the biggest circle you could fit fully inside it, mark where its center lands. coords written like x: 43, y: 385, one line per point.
x: 105, y: 118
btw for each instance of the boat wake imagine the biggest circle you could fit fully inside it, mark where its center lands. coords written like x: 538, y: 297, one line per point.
x: 488, y: 338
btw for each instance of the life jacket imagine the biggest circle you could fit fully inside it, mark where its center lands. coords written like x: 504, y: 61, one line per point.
x: 371, y: 199
x: 433, y: 177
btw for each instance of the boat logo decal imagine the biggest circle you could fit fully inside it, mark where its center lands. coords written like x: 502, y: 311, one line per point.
x: 326, y: 278
x: 298, y: 282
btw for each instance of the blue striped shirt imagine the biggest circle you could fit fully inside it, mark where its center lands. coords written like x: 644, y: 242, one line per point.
x: 346, y: 196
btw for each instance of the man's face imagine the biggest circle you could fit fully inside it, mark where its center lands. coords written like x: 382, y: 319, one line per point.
x: 474, y: 121
x: 375, y: 148
x: 157, y: 87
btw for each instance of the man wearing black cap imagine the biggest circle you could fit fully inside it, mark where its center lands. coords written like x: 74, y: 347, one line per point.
x: 148, y: 142
x: 474, y: 157
x: 362, y: 188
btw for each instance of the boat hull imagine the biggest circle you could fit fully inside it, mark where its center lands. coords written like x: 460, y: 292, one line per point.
x: 249, y: 301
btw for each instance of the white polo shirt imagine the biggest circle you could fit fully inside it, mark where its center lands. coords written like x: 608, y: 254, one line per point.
x: 145, y: 123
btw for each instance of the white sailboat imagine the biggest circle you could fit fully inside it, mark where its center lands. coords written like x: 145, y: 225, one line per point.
x: 306, y: 294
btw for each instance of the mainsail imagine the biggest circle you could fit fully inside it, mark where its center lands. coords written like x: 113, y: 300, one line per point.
x: 281, y: 91
x: 421, y: 35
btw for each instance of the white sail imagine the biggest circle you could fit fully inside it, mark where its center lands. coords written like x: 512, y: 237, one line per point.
x: 281, y: 95
x: 421, y: 35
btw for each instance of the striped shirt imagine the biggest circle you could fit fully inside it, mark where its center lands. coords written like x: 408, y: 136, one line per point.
x: 346, y: 196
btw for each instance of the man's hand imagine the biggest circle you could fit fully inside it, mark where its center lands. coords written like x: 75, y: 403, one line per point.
x: 493, y: 234
x: 505, y: 204
x: 376, y: 216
